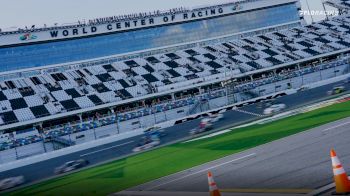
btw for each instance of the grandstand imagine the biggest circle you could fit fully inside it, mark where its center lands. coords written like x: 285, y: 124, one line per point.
x: 342, y: 5
x: 129, y: 36
x: 58, y: 107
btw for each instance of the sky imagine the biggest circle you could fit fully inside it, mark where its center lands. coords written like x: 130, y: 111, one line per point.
x: 21, y: 13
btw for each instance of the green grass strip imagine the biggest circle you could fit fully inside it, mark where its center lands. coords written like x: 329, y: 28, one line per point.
x: 138, y: 169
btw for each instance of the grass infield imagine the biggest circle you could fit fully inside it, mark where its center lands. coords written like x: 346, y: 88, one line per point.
x: 138, y: 169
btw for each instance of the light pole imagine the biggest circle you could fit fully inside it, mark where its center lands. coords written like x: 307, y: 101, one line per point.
x: 16, y: 152
x: 43, y: 139
x: 308, y: 7
x: 95, y: 133
x: 324, y: 9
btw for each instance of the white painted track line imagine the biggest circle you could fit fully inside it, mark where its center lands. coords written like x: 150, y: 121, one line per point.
x: 203, y: 170
x: 104, y: 149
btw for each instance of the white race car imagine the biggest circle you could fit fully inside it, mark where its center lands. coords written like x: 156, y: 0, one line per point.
x: 274, y: 109
x: 146, y: 144
x: 11, y: 182
x: 216, y: 117
x: 71, y: 165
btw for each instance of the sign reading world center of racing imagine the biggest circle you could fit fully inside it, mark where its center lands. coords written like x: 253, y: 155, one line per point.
x: 133, y: 24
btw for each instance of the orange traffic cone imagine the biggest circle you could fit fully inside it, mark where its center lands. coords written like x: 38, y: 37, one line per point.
x: 342, y: 183
x: 213, y: 189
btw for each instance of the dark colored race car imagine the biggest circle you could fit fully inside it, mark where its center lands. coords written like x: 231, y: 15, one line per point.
x: 155, y: 131
x: 147, y: 143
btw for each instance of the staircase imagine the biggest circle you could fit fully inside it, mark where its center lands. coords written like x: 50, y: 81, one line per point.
x: 230, y: 90
x: 194, y: 108
x: 199, y: 106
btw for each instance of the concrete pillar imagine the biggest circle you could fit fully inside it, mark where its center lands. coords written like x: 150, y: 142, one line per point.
x: 40, y: 125
x: 112, y: 111
x: 116, y: 119
x: 81, y: 119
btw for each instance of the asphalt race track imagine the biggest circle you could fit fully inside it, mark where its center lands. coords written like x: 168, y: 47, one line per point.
x: 97, y: 155
x: 300, y: 162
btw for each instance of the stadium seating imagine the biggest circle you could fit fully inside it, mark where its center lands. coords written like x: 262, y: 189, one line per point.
x: 136, y: 113
x: 17, y: 139
x: 344, y: 4
x: 26, y: 99
x: 63, y: 130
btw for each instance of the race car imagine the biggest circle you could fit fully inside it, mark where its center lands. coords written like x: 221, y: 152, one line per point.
x: 204, y: 125
x: 216, y: 117
x: 71, y: 165
x: 274, y: 109
x: 154, y: 131
x: 265, y: 103
x: 147, y: 143
x: 11, y: 182
x: 336, y: 90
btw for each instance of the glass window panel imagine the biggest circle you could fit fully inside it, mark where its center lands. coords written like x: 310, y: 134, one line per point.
x: 94, y: 47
